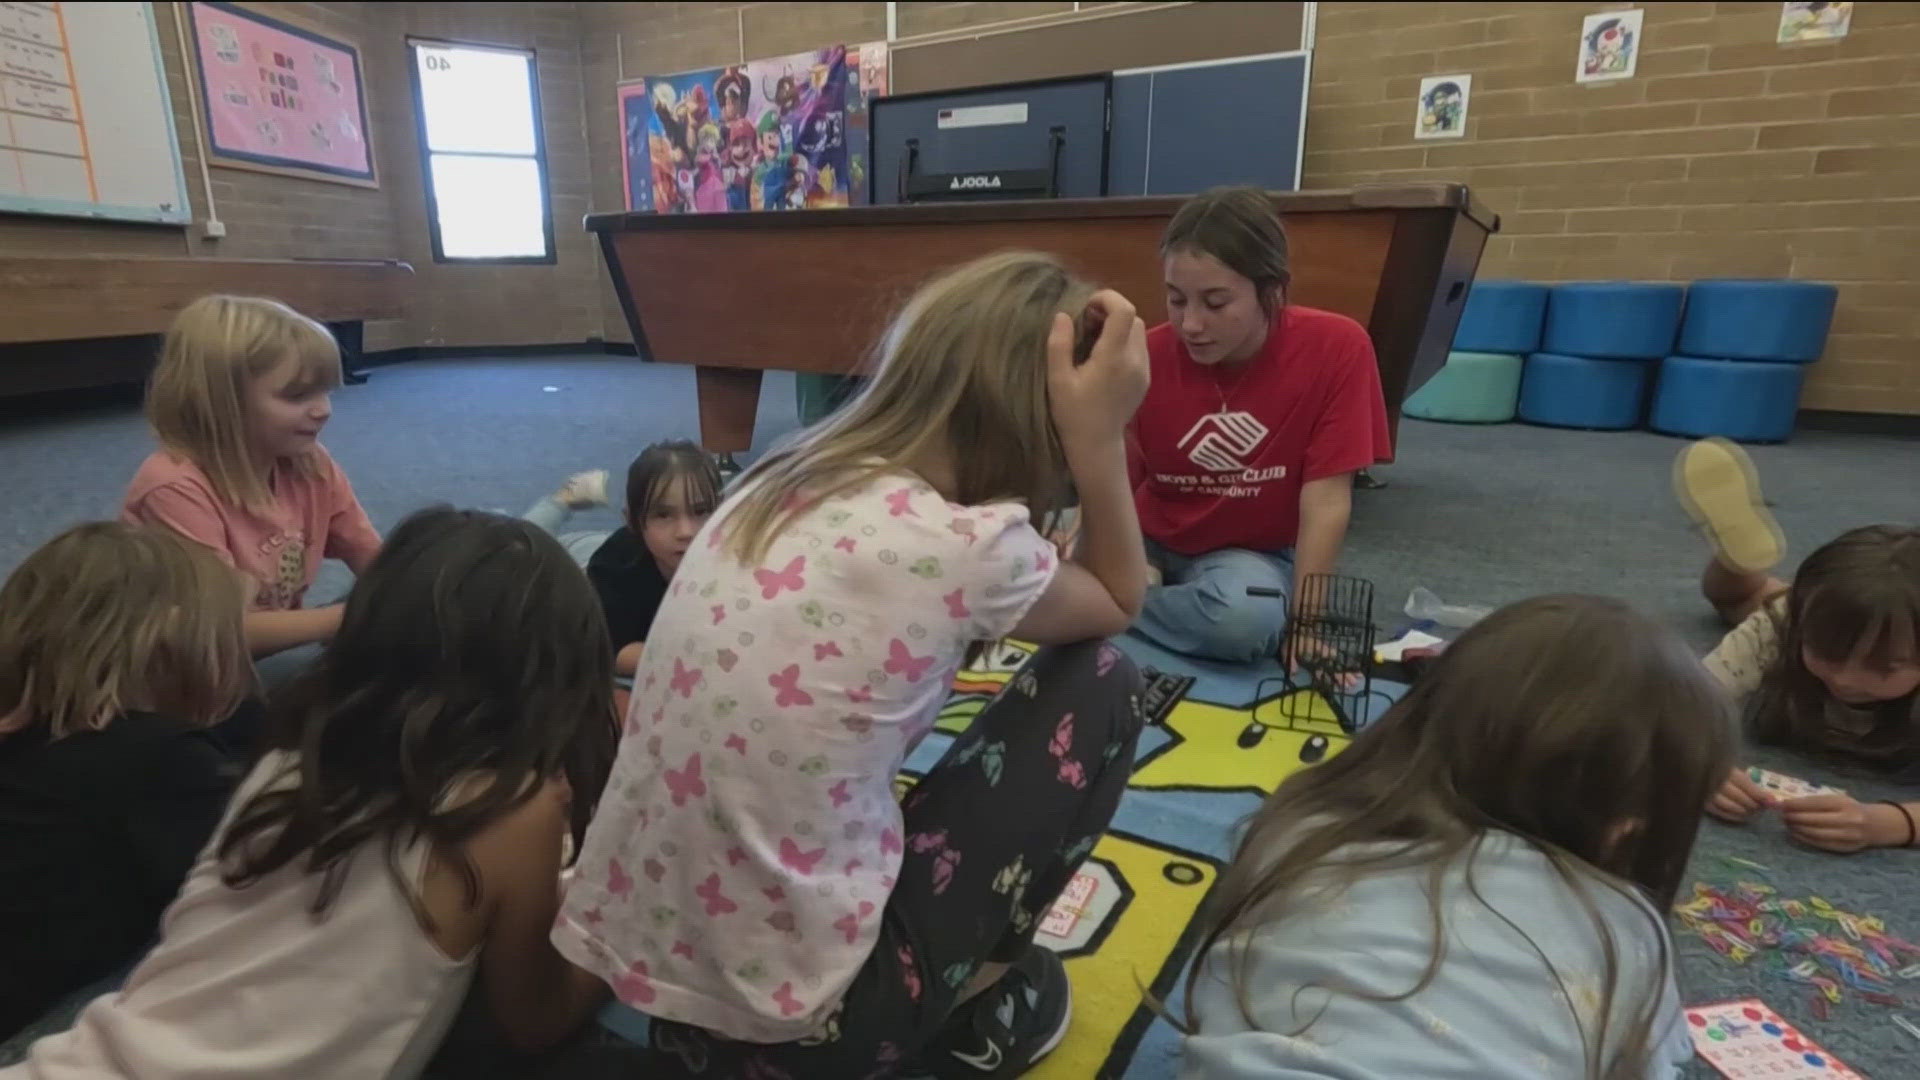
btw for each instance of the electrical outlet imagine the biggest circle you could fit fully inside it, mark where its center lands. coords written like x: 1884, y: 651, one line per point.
x: 213, y: 229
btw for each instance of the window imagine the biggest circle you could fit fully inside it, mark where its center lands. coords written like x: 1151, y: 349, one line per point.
x: 486, y: 168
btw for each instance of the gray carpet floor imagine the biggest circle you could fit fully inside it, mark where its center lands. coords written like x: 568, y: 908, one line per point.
x: 1481, y: 515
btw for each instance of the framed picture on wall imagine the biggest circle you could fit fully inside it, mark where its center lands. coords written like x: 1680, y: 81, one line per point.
x: 1609, y: 46
x: 1440, y: 112
x: 636, y: 171
x: 280, y: 98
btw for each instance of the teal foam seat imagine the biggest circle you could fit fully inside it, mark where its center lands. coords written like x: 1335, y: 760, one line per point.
x: 1473, y: 388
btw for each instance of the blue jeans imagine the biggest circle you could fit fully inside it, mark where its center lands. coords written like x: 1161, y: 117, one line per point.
x: 1201, y: 608
x: 550, y: 515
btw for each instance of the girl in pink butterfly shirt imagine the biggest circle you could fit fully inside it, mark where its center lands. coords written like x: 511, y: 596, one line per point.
x: 749, y: 880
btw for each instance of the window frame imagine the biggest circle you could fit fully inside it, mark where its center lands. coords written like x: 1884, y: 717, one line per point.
x: 539, y: 154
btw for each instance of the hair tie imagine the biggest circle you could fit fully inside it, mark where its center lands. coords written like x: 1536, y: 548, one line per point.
x: 1908, y: 814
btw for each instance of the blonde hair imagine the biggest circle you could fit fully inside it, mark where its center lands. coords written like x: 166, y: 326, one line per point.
x: 109, y: 617
x: 962, y: 369
x: 196, y: 400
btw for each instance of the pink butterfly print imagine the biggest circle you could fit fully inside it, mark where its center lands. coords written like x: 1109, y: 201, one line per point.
x: 651, y: 680
x: 771, y: 583
x: 1043, y: 562
x: 909, y: 972
x: 784, y: 998
x: 902, y: 662
x: 852, y: 865
x: 1071, y: 771
x: 719, y: 613
x: 849, y: 924
x: 774, y: 893
x: 845, y: 544
x: 857, y: 723
x: 861, y: 695
x: 921, y: 843
x: 682, y: 948
x: 963, y: 527
x: 684, y: 678
x: 737, y: 743
x: 726, y: 659
x: 821, y: 652
x: 794, y: 859
x: 618, y: 883
x: 944, y: 864
x: 890, y: 842
x: 653, y: 869
x: 1104, y: 660
x: 735, y: 856
x: 659, y: 714
x: 957, y: 604
x: 592, y: 917
x: 686, y: 783
x: 633, y: 986
x: 653, y: 742
x: 900, y: 504
x: 782, y: 921
x: 717, y: 901
x: 787, y: 682
x: 886, y: 881
x: 838, y: 793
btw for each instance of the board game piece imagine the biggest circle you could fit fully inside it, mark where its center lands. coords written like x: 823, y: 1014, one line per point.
x: 1782, y: 786
x: 1745, y: 1040
x: 1162, y: 693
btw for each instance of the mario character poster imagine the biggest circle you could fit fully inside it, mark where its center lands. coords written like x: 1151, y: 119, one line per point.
x: 1609, y: 46
x: 1441, y: 112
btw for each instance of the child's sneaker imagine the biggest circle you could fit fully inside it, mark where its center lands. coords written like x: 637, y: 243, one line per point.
x: 1720, y: 489
x: 584, y: 490
x: 1008, y: 1027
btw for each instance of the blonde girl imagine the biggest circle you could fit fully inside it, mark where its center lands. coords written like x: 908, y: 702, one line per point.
x: 237, y: 402
x: 1475, y: 886
x: 119, y: 646
x: 750, y: 880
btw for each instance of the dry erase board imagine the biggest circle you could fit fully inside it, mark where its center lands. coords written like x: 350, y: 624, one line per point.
x: 86, y: 125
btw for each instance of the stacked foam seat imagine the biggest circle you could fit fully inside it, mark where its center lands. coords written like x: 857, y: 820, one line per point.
x: 1480, y: 383
x: 1741, y: 360
x: 1598, y: 350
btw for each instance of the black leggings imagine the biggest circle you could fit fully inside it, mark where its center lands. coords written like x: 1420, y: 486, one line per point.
x: 995, y: 831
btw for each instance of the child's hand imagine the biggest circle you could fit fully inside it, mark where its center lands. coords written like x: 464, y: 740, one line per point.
x: 1739, y: 798
x: 1836, y: 822
x: 1092, y: 402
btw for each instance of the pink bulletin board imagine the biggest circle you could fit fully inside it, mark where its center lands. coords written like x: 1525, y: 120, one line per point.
x: 281, y: 98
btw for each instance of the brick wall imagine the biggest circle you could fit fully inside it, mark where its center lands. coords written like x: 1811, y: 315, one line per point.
x: 283, y: 217
x: 1727, y: 155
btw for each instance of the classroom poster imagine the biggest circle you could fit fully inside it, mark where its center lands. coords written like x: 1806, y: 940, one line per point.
x: 1609, y: 46
x: 1441, y: 110
x: 279, y: 96
x: 636, y: 176
x: 1817, y: 21
x: 869, y: 61
x: 765, y: 135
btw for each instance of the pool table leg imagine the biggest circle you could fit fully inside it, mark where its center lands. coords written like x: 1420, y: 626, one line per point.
x: 729, y: 398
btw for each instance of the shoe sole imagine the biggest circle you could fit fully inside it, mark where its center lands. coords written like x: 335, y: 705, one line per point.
x: 1716, y: 482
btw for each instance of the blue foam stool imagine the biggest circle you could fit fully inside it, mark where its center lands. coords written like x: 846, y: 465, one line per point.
x: 1579, y: 392
x: 1781, y: 321
x: 1473, y: 388
x: 1627, y: 320
x: 1748, y: 400
x: 1502, y: 317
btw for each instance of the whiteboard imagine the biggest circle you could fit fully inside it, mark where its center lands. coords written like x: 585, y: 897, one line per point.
x: 86, y: 125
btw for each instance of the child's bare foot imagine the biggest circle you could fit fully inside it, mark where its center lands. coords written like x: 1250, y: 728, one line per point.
x: 1717, y: 484
x: 583, y: 490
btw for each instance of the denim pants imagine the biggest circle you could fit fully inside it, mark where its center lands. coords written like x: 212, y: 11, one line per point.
x: 1201, y: 607
x: 550, y: 515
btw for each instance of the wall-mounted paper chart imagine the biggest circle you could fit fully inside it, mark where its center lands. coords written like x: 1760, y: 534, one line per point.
x: 86, y: 125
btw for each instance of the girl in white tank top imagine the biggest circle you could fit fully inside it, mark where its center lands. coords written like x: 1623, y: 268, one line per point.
x: 410, y: 818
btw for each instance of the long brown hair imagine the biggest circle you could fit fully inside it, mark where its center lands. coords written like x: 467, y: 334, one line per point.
x: 1571, y: 722
x: 1239, y: 227
x: 1857, y: 597
x: 108, y: 618
x: 962, y: 368
x: 197, y: 397
x: 471, y: 666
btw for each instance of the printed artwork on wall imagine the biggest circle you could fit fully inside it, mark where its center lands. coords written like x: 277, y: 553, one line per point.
x: 866, y: 79
x: 636, y: 175
x: 766, y: 135
x: 1609, y: 46
x: 1441, y: 110
x: 280, y: 98
x: 1817, y: 21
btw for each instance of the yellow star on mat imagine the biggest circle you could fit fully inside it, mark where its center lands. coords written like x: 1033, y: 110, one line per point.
x: 1218, y: 748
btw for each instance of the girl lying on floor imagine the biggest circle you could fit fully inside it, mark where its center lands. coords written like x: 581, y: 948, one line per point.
x: 1829, y: 665
x: 1474, y: 887
x: 400, y: 839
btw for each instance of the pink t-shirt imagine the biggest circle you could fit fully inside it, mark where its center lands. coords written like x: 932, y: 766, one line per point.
x: 314, y: 518
x: 735, y: 871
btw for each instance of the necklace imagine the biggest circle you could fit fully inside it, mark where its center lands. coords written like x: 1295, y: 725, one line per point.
x: 1226, y: 393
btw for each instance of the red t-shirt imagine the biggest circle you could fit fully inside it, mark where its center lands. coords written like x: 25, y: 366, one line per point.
x: 1219, y: 455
